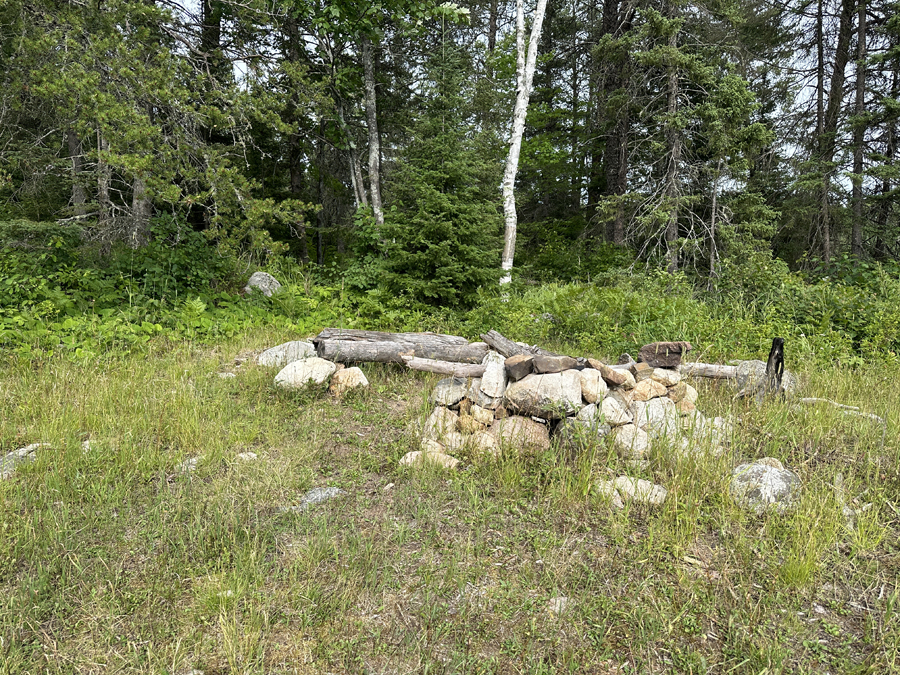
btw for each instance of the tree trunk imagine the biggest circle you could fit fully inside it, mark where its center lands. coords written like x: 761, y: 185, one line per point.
x: 492, y: 27
x: 349, y: 351
x: 673, y: 155
x: 859, y: 132
x: 374, y: 138
x: 79, y: 196
x: 828, y: 137
x: 713, y: 253
x: 320, y: 189
x: 296, y: 178
x: 357, y: 335
x: 139, y: 223
x: 445, y: 367
x: 524, y: 77
x: 103, y: 202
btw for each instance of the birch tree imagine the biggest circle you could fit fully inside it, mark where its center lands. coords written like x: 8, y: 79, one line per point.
x: 524, y: 76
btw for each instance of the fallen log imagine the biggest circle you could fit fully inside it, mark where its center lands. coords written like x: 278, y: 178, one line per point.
x: 350, y: 351
x: 712, y: 370
x: 353, y: 335
x: 445, y: 367
x: 506, y: 347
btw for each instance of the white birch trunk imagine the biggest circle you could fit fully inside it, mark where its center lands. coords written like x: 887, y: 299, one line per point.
x: 374, y: 139
x: 524, y: 77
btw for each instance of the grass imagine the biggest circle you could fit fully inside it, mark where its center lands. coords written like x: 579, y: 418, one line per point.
x: 111, y: 561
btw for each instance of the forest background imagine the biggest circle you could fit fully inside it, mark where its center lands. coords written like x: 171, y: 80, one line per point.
x: 719, y: 171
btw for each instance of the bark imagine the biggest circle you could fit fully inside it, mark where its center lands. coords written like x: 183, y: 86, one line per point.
x: 211, y: 36
x: 139, y: 224
x: 859, y: 132
x: 712, y: 370
x: 355, y: 335
x: 524, y: 76
x: 506, y: 347
x: 298, y: 228
x: 828, y: 137
x: 79, y: 195
x: 492, y: 27
x: 374, y: 138
x: 103, y: 201
x: 445, y: 367
x: 347, y: 351
x: 713, y: 253
x: 356, y: 177
x: 673, y: 157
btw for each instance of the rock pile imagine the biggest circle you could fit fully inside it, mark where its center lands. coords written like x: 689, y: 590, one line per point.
x: 522, y: 401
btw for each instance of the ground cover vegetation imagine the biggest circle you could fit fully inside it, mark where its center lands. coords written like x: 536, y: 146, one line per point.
x: 720, y: 173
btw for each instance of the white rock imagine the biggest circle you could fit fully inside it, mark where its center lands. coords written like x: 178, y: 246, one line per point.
x: 484, y: 442
x: 558, y: 605
x: 658, y: 417
x: 493, y: 382
x: 246, y: 456
x: 346, y: 380
x: 647, y: 389
x: 482, y: 415
x: 188, y: 465
x: 286, y: 353
x: 666, y: 377
x: 264, y: 282
x: 593, y: 386
x: 760, y: 486
x: 613, y: 412
x: 631, y: 441
x: 607, y: 490
x: 551, y: 396
x: 301, y: 373
x: 521, y: 433
x: 640, y: 490
x: 440, y: 422
x: 226, y: 376
x: 439, y: 458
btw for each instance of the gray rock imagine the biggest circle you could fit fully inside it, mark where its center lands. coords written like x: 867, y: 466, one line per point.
x: 493, y: 382
x: 763, y: 485
x: 614, y: 413
x: 11, y: 461
x: 750, y: 379
x: 519, y: 365
x: 450, y: 390
x: 264, y: 282
x: 553, y: 364
x: 301, y: 373
x: 316, y: 496
x: 551, y: 396
x: 286, y: 353
x: 479, y: 398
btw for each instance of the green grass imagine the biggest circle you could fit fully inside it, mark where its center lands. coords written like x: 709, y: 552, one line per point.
x: 113, y: 562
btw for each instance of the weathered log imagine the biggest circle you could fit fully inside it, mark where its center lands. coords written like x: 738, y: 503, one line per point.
x: 445, y: 367
x: 350, y: 351
x: 507, y: 347
x: 502, y: 345
x: 352, y: 335
x: 712, y: 370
